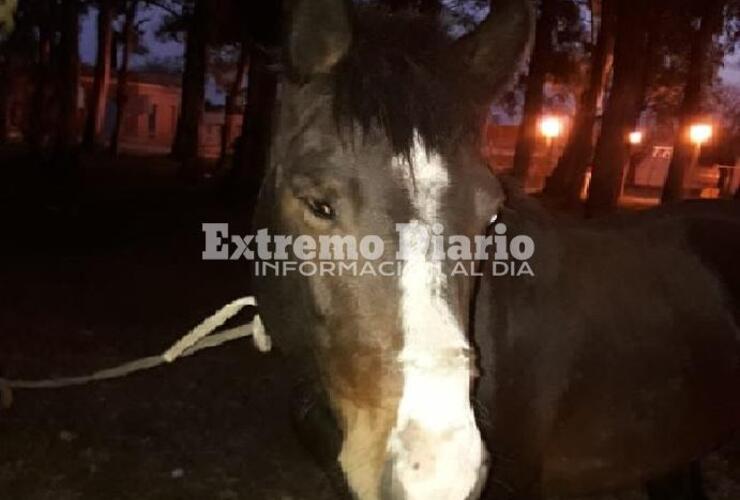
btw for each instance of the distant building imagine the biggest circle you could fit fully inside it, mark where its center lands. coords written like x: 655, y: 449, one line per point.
x: 151, y: 113
x: 714, y: 175
x: 499, y: 144
x: 710, y: 178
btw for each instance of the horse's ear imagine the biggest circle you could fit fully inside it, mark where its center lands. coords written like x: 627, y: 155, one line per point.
x: 319, y: 35
x: 496, y: 49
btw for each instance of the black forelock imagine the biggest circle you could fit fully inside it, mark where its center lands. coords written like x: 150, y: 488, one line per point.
x: 399, y: 76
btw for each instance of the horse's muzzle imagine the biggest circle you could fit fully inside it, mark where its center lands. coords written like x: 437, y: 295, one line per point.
x: 392, y: 488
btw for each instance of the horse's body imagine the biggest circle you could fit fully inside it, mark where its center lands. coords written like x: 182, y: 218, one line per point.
x: 615, y: 364
x: 619, y: 361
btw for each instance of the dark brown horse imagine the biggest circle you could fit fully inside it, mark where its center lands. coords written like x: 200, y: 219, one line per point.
x: 614, y: 362
x: 619, y: 362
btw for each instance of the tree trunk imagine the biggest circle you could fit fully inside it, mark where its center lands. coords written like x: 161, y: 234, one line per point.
x: 700, y: 64
x: 4, y: 99
x: 98, y: 101
x: 535, y: 93
x: 129, y: 26
x: 250, y: 160
x: 567, y: 179
x: 231, y: 101
x: 623, y: 106
x: 186, y: 145
x: 67, y: 131
x: 37, y: 126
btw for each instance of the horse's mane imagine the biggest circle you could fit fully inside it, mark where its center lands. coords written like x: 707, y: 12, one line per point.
x: 399, y: 76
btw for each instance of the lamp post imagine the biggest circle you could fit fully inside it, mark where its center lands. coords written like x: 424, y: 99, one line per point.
x: 635, y: 139
x: 551, y: 127
x: 699, y: 134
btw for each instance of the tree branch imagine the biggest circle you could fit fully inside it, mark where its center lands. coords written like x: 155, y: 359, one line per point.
x: 164, y: 6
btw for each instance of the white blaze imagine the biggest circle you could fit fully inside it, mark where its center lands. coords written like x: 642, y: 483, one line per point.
x: 436, y: 448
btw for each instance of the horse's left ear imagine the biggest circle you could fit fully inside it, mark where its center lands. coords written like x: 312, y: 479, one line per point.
x: 319, y: 35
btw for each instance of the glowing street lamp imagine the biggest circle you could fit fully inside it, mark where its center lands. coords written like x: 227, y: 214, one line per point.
x: 700, y: 133
x: 551, y: 127
x: 635, y: 139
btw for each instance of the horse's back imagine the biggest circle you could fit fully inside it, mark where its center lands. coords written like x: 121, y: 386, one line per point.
x: 624, y: 346
x: 713, y: 235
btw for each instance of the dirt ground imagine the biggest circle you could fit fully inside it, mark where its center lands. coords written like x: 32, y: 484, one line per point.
x: 111, y: 273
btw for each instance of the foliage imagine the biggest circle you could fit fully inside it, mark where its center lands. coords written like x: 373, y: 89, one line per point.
x: 672, y: 21
x: 222, y: 64
x: 726, y: 101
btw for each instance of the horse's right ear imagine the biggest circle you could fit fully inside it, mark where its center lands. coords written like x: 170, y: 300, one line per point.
x: 319, y: 35
x: 496, y: 49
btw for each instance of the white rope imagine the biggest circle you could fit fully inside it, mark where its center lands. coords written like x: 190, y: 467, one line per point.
x: 206, y: 327
x: 199, y: 338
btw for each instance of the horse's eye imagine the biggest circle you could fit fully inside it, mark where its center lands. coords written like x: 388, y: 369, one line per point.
x: 320, y: 208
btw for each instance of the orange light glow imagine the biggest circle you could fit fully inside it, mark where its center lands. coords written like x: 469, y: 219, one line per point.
x: 635, y: 137
x: 700, y: 133
x: 551, y: 127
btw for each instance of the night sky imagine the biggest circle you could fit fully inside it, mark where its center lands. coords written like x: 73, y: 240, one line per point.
x: 88, y: 44
x: 730, y: 73
x: 157, y: 48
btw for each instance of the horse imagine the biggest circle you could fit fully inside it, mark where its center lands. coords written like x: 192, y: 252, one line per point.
x: 611, y: 362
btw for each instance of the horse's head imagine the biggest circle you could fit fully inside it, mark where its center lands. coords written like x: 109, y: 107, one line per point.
x: 378, y: 125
